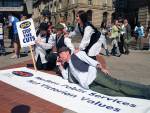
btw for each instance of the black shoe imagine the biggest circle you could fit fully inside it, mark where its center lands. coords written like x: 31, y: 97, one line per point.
x: 126, y: 52
x: 118, y: 55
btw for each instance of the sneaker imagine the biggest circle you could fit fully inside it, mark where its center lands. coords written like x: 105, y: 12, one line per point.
x: 15, y: 56
x: 118, y: 55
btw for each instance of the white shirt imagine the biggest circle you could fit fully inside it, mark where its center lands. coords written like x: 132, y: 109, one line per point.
x: 84, y: 78
x: 40, y: 49
x: 68, y: 43
x: 94, y: 50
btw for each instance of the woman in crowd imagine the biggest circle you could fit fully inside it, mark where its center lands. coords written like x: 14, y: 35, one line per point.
x: 103, y: 41
x: 115, y: 38
x: 139, y: 30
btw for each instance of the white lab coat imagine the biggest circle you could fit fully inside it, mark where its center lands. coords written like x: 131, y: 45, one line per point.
x: 94, y: 50
x: 40, y: 49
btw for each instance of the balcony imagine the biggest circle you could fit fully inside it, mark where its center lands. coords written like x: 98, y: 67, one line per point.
x: 11, y: 8
x: 11, y: 5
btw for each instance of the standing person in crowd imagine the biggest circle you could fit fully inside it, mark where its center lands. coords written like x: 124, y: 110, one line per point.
x: 121, y: 36
x: 43, y: 44
x: 139, y: 30
x: 127, y: 36
x: 12, y: 22
x: 10, y: 30
x: 2, y: 47
x: 148, y: 36
x: 103, y: 41
x: 90, y: 35
x: 89, y: 74
x: 115, y: 38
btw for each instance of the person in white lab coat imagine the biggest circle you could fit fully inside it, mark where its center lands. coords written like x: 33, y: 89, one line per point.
x: 43, y: 43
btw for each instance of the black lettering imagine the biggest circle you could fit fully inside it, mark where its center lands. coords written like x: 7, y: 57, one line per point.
x: 125, y: 103
x: 119, y: 102
x: 91, y: 101
x: 132, y: 105
x: 109, y: 107
x: 115, y: 100
x: 101, y: 105
x: 116, y: 109
x: 97, y: 103
x: 83, y: 98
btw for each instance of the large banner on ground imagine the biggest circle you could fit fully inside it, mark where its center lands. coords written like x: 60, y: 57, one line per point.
x: 71, y: 96
x: 26, y: 32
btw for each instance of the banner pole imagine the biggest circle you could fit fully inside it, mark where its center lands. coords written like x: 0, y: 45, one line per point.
x: 33, y: 59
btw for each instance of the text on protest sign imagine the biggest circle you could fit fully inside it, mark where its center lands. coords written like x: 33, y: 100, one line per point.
x: 26, y: 32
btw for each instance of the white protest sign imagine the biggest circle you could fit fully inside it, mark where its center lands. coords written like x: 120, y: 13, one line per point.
x: 26, y: 32
x: 71, y: 96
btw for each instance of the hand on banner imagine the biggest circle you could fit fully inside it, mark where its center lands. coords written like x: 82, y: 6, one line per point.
x: 106, y: 71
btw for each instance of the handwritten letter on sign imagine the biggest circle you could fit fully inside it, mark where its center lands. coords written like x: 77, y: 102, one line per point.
x: 26, y: 32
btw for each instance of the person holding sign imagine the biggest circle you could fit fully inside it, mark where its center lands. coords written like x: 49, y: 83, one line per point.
x: 89, y: 74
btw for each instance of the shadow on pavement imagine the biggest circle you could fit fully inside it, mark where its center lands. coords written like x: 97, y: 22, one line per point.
x: 21, y: 109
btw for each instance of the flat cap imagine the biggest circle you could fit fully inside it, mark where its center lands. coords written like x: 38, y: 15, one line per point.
x: 59, y: 26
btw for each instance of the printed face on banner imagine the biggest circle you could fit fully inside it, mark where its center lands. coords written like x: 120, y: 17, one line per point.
x: 26, y: 32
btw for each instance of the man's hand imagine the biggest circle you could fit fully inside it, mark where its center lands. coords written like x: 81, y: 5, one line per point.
x: 106, y: 71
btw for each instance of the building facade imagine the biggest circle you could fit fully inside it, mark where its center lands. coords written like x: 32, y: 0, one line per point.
x: 97, y: 10
x: 15, y: 6
x: 134, y: 10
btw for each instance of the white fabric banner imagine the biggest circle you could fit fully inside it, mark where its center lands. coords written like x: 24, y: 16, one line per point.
x: 71, y: 96
x: 26, y: 32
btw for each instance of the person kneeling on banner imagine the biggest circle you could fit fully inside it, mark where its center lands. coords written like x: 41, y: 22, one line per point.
x: 60, y: 40
x: 89, y: 74
x: 43, y: 45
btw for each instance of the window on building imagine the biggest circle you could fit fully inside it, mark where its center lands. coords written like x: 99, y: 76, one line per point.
x: 105, y: 16
x: 89, y: 14
x: 1, y: 3
x: 12, y: 3
x: 73, y: 1
x: 55, y: 3
x: 60, y: 4
x: 89, y: 2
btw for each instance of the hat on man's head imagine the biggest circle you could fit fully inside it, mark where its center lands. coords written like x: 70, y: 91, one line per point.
x: 59, y: 26
x: 64, y: 49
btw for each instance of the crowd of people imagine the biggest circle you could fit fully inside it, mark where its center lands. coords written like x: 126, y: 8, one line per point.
x: 54, y: 50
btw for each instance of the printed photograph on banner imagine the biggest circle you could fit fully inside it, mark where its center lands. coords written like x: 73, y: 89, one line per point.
x: 26, y: 32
